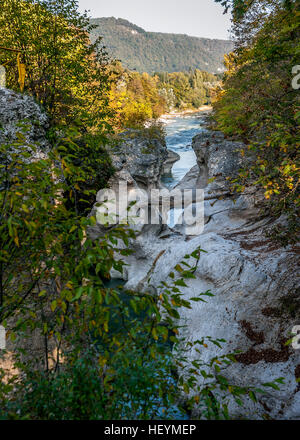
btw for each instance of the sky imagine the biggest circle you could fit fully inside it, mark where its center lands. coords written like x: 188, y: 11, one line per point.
x: 198, y: 18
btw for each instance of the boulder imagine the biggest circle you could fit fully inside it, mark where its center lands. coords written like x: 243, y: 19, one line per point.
x: 142, y: 157
x: 139, y: 161
x: 217, y: 158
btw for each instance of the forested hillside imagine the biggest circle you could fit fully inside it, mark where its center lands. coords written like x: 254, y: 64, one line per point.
x: 158, y: 52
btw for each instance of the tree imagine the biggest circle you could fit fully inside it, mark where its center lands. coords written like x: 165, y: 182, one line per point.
x: 259, y: 104
x: 241, y: 7
x: 64, y: 71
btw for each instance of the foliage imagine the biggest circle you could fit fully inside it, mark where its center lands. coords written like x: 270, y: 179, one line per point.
x: 157, y: 52
x: 51, y: 273
x: 138, y: 98
x: 64, y: 71
x: 83, y: 349
x: 187, y: 89
x: 117, y: 361
x: 259, y: 104
x: 135, y: 98
x: 241, y: 7
x: 68, y: 76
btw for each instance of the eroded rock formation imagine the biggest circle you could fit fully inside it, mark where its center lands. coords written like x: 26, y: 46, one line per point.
x: 254, y: 281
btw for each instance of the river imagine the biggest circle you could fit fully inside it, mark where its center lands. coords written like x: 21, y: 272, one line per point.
x: 180, y: 131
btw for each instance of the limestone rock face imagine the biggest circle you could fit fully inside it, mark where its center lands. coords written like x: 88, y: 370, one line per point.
x: 191, y: 179
x: 256, y: 301
x: 141, y: 157
x: 169, y: 162
x: 19, y: 114
x: 255, y: 291
x: 139, y: 163
x: 217, y: 159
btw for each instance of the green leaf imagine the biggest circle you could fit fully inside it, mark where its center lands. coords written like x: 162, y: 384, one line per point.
x: 53, y: 305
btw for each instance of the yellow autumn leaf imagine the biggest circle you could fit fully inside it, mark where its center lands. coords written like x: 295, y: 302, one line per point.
x: 16, y: 240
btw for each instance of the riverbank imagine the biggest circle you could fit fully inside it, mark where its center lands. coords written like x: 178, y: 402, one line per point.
x: 173, y: 114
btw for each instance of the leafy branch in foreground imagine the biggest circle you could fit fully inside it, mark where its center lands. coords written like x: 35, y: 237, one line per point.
x: 103, y: 352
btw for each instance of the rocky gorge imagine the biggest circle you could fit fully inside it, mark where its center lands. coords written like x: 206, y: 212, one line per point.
x: 254, y: 281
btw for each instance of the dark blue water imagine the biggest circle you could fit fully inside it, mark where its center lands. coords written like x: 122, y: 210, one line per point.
x: 180, y: 132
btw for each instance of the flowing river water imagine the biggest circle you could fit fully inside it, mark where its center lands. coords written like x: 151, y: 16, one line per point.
x: 180, y: 131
